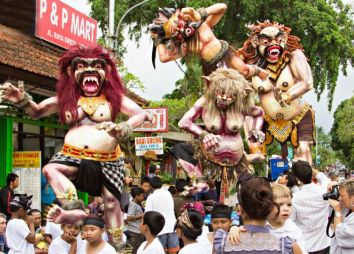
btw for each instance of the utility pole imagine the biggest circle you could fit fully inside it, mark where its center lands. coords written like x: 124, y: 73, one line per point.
x: 111, y: 35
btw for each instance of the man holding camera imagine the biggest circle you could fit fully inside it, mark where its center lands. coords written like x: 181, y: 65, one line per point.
x: 343, y: 222
x: 309, y: 210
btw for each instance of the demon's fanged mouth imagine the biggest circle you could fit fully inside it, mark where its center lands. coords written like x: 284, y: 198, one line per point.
x: 90, y: 83
x: 274, y: 52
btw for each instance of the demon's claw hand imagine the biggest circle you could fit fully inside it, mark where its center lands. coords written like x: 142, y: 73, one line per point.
x: 209, y: 140
x: 256, y: 136
x: 284, y: 100
x: 190, y: 14
x: 121, y: 131
x: 10, y: 93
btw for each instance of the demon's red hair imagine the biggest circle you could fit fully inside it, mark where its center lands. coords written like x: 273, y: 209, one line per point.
x: 249, y: 54
x: 68, y: 91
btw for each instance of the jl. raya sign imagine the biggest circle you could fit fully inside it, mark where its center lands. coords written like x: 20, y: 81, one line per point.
x: 62, y: 25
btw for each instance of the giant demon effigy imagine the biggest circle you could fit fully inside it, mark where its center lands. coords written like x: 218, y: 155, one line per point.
x: 177, y: 33
x: 272, y: 47
x: 219, y: 151
x: 89, y: 96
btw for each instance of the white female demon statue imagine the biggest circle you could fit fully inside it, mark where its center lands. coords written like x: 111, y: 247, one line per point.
x: 219, y: 153
x: 287, y: 117
x: 90, y: 94
x: 189, y: 31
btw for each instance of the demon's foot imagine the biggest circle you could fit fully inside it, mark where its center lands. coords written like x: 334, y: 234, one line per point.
x: 60, y: 216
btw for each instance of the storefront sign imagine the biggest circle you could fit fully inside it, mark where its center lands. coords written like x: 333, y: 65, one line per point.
x: 145, y: 144
x: 64, y: 26
x: 159, y: 122
x: 27, y: 165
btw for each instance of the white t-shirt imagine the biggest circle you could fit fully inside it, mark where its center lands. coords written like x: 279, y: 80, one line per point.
x: 153, y: 248
x: 107, y: 249
x: 53, y: 229
x: 289, y: 229
x: 194, y: 248
x: 16, y: 233
x: 161, y: 201
x: 204, y: 242
x: 59, y: 246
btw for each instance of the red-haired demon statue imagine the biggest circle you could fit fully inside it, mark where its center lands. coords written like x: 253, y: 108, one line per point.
x: 90, y: 94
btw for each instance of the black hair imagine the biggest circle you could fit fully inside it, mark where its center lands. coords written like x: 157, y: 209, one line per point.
x: 256, y: 198
x: 156, y: 182
x: 155, y: 222
x: 33, y: 211
x: 145, y: 179
x: 181, y: 184
x: 94, y: 220
x: 11, y: 177
x: 152, y: 169
x: 291, y: 180
x: 302, y: 170
x: 21, y: 201
x: 221, y: 211
x: 197, y: 221
x: 172, y: 189
x: 136, y: 191
x: 128, y: 160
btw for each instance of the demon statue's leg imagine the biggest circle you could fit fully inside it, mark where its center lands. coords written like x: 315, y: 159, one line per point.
x: 303, y: 152
x: 113, y: 217
x: 58, y: 176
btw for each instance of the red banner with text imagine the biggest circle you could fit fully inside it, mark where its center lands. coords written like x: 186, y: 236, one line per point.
x: 64, y: 26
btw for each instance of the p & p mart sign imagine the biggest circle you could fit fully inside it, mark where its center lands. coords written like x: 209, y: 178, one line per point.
x: 64, y: 26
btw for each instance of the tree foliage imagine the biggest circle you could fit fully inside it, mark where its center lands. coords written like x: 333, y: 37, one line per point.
x: 326, y: 28
x: 326, y: 155
x: 342, y: 131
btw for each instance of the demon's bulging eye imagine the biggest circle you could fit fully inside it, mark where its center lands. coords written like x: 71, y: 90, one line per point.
x: 98, y: 66
x: 264, y: 41
x: 80, y: 66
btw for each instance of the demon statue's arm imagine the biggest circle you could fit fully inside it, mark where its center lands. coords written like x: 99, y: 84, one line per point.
x: 188, y: 123
x: 136, y: 114
x: 302, y: 73
x: 254, y: 135
x: 21, y: 99
x: 212, y: 14
x: 254, y: 123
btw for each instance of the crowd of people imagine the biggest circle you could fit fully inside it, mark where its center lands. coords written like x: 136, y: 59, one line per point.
x: 304, y: 211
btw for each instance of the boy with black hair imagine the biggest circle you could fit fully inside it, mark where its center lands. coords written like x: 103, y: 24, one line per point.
x: 161, y: 201
x: 69, y: 241
x: 146, y: 186
x: 93, y: 228
x: 221, y: 217
x: 135, y: 215
x: 7, y: 193
x: 151, y: 226
x: 20, y: 234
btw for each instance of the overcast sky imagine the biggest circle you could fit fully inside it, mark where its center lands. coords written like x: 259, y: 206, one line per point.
x: 162, y: 80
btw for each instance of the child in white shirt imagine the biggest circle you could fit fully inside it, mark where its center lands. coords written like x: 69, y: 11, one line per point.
x: 151, y: 226
x: 67, y: 242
